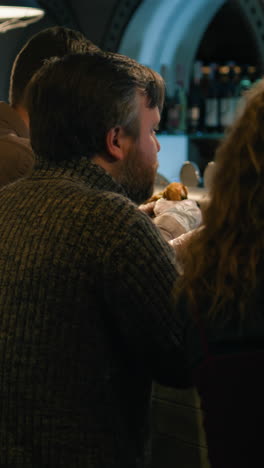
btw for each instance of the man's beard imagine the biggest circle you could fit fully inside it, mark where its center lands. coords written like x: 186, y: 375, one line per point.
x: 136, y: 178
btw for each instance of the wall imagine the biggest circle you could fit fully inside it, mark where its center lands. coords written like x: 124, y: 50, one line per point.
x: 155, y: 32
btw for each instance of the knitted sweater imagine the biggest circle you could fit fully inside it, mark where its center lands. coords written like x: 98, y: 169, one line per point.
x: 16, y: 156
x: 85, y: 321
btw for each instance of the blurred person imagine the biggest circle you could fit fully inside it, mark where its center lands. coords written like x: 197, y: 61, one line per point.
x: 16, y: 156
x: 86, y: 277
x: 221, y: 291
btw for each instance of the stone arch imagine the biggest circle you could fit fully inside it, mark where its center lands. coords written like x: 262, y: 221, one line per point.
x: 165, y: 34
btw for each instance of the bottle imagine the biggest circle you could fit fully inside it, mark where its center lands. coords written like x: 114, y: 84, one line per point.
x: 182, y: 103
x: 177, y: 106
x: 243, y: 85
x: 253, y: 73
x: 164, y: 117
x: 212, y: 100
x: 227, y: 102
x: 173, y: 111
x: 195, y: 100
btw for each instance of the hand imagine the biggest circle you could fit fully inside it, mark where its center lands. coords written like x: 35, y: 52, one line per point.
x: 148, y: 208
x: 176, y: 217
x: 180, y: 243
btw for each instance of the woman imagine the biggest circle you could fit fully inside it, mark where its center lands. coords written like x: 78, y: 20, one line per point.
x: 221, y: 289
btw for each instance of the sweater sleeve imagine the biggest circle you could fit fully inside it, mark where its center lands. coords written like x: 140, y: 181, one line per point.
x: 139, y: 274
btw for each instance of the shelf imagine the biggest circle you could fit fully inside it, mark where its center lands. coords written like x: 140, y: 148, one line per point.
x: 194, y: 136
x: 205, y: 136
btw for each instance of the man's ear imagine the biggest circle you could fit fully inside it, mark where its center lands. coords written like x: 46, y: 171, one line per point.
x: 115, y: 140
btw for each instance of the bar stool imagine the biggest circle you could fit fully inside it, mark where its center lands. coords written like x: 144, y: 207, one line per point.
x: 209, y: 175
x: 190, y: 174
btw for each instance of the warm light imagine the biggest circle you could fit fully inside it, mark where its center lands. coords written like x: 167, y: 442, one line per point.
x: 18, y: 14
x: 224, y: 69
x: 205, y: 70
x: 8, y: 12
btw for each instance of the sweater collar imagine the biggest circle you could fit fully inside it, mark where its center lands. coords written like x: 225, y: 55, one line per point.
x: 83, y: 169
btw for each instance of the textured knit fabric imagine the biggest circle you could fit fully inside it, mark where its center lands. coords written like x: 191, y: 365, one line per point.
x: 85, y: 321
x: 16, y: 157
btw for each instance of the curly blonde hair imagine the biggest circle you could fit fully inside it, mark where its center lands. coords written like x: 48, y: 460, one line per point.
x: 222, y: 261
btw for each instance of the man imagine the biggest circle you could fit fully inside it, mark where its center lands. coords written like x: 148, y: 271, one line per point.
x: 86, y: 322
x: 16, y: 157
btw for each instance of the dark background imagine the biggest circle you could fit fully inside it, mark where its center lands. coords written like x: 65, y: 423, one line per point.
x: 230, y: 35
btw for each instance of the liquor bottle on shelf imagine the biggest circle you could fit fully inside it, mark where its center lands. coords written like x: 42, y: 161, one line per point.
x: 182, y: 100
x: 227, y: 98
x: 177, y: 105
x: 195, y: 101
x: 163, y: 117
x: 253, y: 73
x: 173, y: 111
x: 212, y: 100
x: 243, y: 85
